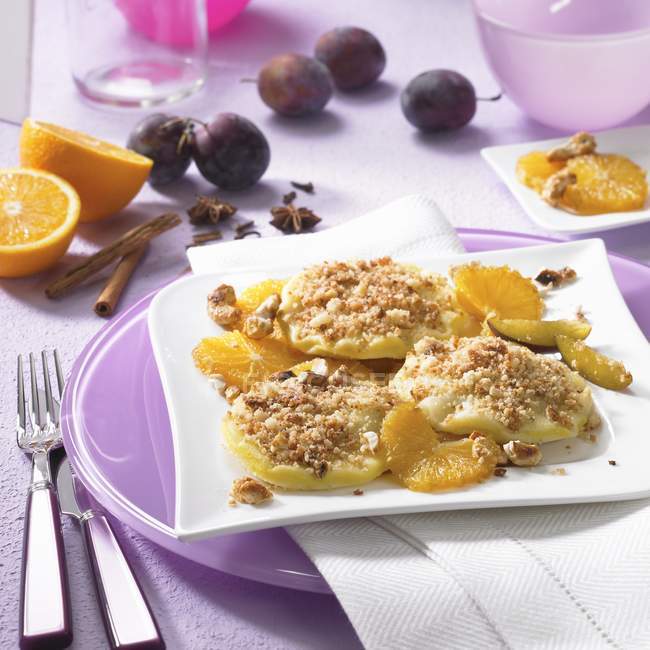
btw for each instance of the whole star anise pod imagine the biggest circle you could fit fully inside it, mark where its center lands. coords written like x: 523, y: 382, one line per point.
x: 210, y: 209
x: 291, y: 220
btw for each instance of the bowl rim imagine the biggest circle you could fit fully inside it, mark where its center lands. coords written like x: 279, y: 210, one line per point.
x: 550, y: 36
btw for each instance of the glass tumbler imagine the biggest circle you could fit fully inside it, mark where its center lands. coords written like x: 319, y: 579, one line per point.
x: 137, y: 52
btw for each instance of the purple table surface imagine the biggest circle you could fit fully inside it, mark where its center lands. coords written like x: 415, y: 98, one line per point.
x: 360, y: 153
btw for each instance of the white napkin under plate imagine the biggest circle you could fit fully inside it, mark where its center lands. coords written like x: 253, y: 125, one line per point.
x: 560, y: 577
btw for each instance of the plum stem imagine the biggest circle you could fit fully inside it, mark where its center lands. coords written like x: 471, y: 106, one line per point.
x: 494, y: 98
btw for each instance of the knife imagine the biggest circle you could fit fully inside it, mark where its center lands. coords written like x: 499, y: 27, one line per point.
x: 127, y: 616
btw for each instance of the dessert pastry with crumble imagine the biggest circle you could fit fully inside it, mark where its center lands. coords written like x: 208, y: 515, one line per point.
x: 365, y: 309
x: 311, y: 431
x: 501, y: 388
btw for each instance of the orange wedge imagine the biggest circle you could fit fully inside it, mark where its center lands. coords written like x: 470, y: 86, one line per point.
x: 107, y: 177
x: 499, y: 291
x: 421, y: 461
x: 38, y: 216
x: 242, y: 361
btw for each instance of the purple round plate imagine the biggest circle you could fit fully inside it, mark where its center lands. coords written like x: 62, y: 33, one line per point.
x: 117, y: 434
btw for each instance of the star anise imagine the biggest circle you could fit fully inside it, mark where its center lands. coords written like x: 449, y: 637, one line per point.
x: 210, y: 209
x: 290, y: 219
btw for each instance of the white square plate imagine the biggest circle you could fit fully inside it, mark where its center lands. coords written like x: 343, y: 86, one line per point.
x: 205, y: 469
x: 632, y: 142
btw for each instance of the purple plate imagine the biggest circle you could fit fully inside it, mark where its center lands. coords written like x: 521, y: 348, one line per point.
x: 117, y: 434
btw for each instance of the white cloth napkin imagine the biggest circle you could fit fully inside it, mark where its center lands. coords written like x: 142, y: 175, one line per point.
x: 561, y: 577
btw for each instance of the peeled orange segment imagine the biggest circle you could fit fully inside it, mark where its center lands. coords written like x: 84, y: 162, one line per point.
x: 592, y: 365
x: 106, y: 176
x: 38, y: 216
x: 499, y: 291
x: 540, y: 333
x: 605, y: 183
x: 242, y: 361
x: 534, y: 168
x: 423, y: 463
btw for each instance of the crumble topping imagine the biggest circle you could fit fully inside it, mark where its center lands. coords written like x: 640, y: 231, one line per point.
x: 367, y: 298
x: 554, y: 278
x: 249, y: 490
x: 504, y: 381
x: 312, y: 425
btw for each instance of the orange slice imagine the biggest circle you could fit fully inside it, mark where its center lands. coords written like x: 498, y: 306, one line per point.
x: 497, y: 291
x: 38, y: 216
x: 242, y: 361
x: 605, y: 183
x: 534, y: 168
x: 107, y: 177
x: 420, y: 461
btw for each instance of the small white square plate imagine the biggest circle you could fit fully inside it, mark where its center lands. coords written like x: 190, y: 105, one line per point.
x: 205, y: 469
x: 632, y: 142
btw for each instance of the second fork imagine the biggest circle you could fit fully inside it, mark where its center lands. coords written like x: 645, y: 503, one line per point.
x: 45, y: 620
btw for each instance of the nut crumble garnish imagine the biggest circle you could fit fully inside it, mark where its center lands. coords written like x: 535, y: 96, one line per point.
x: 312, y: 378
x: 250, y: 491
x: 221, y: 305
x: 556, y: 278
x: 367, y: 299
x: 580, y: 144
x: 560, y: 471
x: 486, y: 450
x: 340, y: 377
x: 508, y: 383
x: 523, y: 454
x: 282, y: 375
x: 357, y: 492
x: 296, y: 423
x: 612, y: 462
x: 555, y: 186
x: 371, y: 441
x: 231, y: 393
x: 500, y: 471
x: 260, y: 323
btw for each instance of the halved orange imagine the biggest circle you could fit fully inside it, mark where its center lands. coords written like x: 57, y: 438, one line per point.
x: 106, y: 176
x: 242, y: 361
x: 496, y: 290
x: 421, y: 461
x: 38, y: 216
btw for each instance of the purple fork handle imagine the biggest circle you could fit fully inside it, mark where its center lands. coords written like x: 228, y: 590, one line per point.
x: 127, y: 615
x: 44, y: 595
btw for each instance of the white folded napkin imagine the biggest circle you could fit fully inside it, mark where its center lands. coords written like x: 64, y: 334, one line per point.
x: 544, y: 577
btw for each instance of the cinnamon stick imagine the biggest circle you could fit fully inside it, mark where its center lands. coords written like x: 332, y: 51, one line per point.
x: 111, y: 293
x: 128, y: 242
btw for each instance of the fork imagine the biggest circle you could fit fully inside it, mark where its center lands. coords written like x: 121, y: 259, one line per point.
x: 45, y: 620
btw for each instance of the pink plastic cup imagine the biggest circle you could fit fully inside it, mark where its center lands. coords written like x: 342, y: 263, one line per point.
x: 570, y: 64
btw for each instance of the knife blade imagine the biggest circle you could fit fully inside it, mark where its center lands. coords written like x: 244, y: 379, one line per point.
x: 127, y: 615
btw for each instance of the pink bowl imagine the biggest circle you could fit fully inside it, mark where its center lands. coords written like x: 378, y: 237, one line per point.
x: 570, y: 64
x: 167, y: 21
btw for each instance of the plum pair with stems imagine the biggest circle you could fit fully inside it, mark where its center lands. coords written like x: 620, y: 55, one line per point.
x: 229, y: 150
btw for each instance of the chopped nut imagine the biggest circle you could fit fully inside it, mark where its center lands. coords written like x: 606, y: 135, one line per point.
x: 269, y: 307
x: 312, y: 378
x: 556, y: 278
x: 224, y: 314
x: 523, y: 454
x: 372, y: 440
x: 340, y: 377
x: 560, y: 471
x: 256, y: 327
x: 250, y: 491
x: 500, y: 471
x: 321, y: 467
x: 218, y: 382
x: 556, y: 185
x: 224, y: 294
x: 580, y: 314
x: 580, y: 144
x: 612, y: 462
x: 399, y: 317
x: 357, y: 492
x: 221, y: 305
x: 319, y: 366
x: 486, y: 450
x: 282, y: 376
x: 231, y: 393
